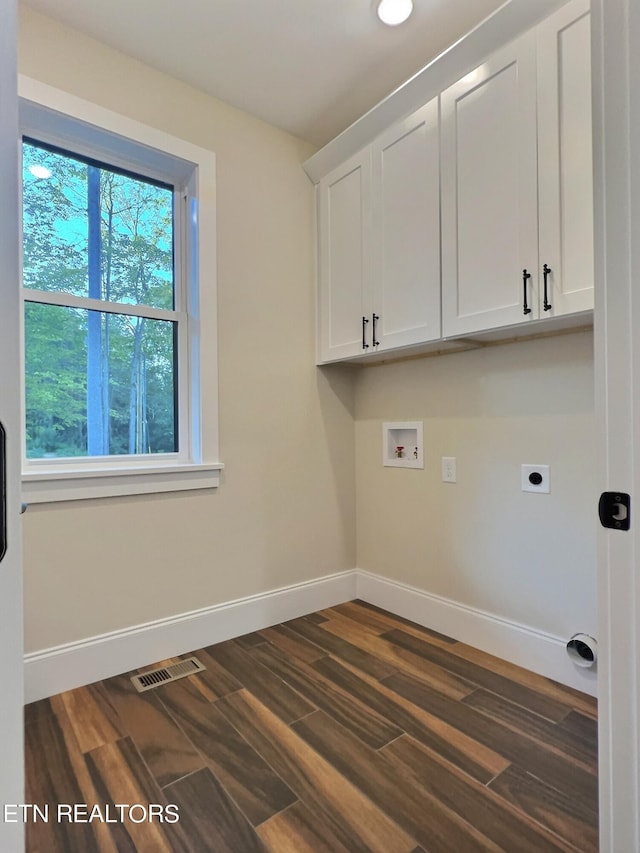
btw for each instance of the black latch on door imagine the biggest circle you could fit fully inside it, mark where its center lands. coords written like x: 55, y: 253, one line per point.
x: 3, y: 493
x: 614, y: 509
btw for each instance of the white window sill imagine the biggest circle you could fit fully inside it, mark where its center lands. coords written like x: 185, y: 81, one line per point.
x: 98, y: 482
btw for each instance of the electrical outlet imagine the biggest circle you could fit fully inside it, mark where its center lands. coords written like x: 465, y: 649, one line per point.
x: 448, y: 469
x: 535, y: 478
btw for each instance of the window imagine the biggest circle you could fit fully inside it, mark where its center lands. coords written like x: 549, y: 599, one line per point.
x: 97, y: 382
x: 120, y: 385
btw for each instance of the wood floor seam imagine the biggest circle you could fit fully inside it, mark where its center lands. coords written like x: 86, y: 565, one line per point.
x: 391, y: 742
x: 182, y: 778
x: 497, y: 776
x: 303, y: 717
x: 279, y: 813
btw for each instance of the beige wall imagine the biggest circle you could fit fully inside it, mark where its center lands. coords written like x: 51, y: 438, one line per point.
x: 530, y: 558
x: 285, y: 511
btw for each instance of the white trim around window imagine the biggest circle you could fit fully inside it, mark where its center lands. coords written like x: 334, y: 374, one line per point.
x: 49, y: 114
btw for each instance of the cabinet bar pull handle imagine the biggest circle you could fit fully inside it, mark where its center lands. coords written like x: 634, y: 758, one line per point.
x: 525, y: 277
x: 365, y: 345
x: 545, y: 275
x: 375, y: 317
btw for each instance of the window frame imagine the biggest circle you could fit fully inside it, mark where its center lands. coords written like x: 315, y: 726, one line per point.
x: 57, y: 118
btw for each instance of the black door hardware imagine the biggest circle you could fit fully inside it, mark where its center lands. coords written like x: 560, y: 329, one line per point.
x: 525, y: 277
x: 614, y: 509
x: 545, y: 275
x: 365, y: 345
x: 3, y: 493
x: 376, y: 317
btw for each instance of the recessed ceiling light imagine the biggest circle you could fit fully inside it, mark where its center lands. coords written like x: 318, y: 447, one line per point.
x: 394, y: 12
x: 40, y: 172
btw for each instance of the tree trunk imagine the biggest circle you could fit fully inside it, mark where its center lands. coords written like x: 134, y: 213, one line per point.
x: 105, y: 354
x: 95, y: 431
x: 137, y: 401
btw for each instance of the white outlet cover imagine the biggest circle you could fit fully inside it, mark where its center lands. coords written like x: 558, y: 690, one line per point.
x: 543, y: 486
x: 448, y: 469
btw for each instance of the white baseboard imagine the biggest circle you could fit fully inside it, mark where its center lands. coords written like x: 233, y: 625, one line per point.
x: 72, y: 665
x: 532, y: 649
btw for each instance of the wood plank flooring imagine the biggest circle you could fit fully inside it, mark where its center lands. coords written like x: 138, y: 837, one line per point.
x: 344, y: 731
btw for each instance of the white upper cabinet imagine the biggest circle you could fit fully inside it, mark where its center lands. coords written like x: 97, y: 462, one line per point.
x: 406, y: 227
x: 474, y: 213
x: 489, y: 191
x: 517, y: 199
x: 379, y: 243
x: 565, y: 181
x: 344, y: 259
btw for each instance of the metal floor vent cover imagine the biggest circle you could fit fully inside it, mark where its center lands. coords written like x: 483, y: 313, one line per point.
x: 165, y: 674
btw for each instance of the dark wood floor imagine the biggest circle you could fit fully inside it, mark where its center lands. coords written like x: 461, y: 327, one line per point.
x: 347, y: 730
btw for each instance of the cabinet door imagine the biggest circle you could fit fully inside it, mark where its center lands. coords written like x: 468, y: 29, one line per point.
x: 406, y: 227
x: 565, y: 158
x: 489, y: 192
x: 344, y: 216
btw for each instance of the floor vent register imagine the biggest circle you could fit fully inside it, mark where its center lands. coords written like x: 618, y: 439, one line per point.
x: 165, y: 674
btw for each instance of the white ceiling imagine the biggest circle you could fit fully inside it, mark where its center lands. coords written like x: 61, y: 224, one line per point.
x: 311, y: 67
